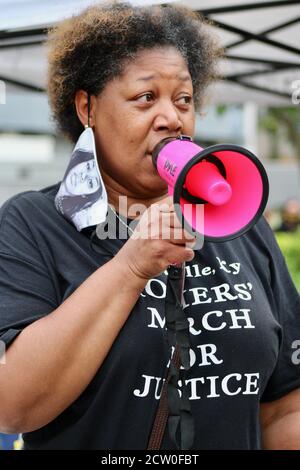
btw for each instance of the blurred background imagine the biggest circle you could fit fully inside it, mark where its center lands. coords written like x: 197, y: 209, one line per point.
x: 256, y: 104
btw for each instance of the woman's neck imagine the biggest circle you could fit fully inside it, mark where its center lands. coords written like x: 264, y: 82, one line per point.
x: 130, y: 206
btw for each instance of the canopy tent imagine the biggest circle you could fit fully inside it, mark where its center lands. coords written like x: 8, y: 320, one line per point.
x: 261, y: 41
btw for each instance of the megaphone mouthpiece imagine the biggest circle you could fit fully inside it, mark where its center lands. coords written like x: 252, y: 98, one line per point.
x: 213, y: 188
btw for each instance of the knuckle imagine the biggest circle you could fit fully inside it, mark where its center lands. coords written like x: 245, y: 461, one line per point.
x: 159, y: 248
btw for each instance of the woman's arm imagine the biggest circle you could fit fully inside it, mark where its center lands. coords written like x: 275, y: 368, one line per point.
x: 280, y: 421
x: 53, y: 360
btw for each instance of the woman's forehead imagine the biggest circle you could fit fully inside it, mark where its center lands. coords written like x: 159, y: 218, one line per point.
x: 150, y: 64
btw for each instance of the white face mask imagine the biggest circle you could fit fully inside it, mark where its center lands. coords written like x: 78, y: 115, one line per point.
x: 82, y: 197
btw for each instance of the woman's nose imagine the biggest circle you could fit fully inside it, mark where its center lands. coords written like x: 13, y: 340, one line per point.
x: 167, y: 118
x: 82, y: 176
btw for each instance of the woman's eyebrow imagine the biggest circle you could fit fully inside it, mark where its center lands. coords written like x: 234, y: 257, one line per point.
x: 182, y: 78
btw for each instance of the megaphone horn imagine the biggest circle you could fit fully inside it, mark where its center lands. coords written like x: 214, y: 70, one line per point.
x: 227, y: 179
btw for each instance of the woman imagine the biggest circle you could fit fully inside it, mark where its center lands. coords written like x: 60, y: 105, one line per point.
x: 84, y: 328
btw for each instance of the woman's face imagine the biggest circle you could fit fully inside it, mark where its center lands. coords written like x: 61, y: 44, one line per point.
x: 151, y: 100
x: 82, y: 179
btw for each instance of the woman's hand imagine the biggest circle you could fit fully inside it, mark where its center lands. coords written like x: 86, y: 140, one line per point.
x: 158, y: 241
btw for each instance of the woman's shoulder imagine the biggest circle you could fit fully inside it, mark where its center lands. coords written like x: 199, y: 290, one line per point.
x: 26, y: 202
x: 23, y: 210
x: 262, y: 236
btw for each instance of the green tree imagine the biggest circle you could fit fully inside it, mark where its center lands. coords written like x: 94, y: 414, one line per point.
x: 285, y: 117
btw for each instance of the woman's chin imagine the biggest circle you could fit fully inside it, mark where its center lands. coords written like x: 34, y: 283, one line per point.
x: 155, y: 187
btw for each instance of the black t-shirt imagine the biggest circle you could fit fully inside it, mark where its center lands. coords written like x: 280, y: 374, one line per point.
x: 244, y: 316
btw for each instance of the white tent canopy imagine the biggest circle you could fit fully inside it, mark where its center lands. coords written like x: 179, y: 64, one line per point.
x: 261, y: 41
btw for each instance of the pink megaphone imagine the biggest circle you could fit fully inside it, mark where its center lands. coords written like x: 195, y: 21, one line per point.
x: 227, y: 179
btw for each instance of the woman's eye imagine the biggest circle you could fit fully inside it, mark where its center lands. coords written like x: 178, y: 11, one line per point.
x: 146, y: 98
x: 185, y: 99
x: 90, y: 165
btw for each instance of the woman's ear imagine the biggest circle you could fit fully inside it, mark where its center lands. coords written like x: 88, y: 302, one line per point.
x: 81, y: 104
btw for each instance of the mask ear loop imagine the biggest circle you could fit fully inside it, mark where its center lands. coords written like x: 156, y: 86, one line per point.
x: 89, y: 108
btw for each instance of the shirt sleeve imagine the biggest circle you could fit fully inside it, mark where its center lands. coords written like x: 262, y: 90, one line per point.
x: 286, y: 374
x: 27, y: 292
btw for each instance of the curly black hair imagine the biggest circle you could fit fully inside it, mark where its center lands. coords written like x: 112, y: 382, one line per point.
x: 88, y: 50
